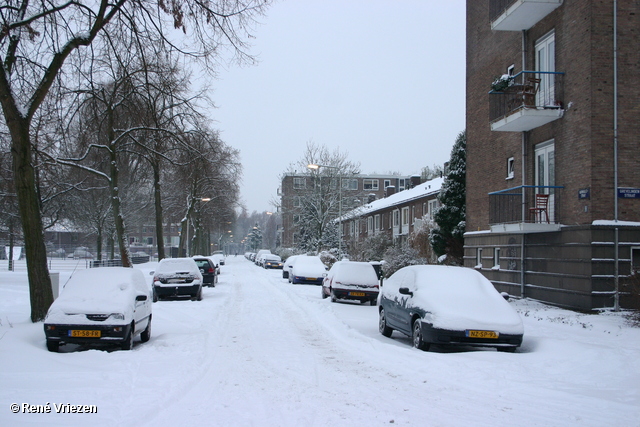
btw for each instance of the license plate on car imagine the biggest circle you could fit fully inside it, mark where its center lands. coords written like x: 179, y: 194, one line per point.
x: 482, y: 334
x: 356, y: 294
x: 79, y: 333
x: 311, y: 278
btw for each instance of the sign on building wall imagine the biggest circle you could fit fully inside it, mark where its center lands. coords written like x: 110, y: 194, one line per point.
x: 629, y: 193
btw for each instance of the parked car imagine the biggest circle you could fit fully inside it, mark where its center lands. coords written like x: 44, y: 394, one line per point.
x: 177, y: 277
x: 351, y: 280
x: 286, y: 267
x: 308, y: 269
x: 218, y: 260
x: 436, y: 304
x: 208, y: 270
x: 259, y: 254
x: 271, y: 261
x: 100, y: 306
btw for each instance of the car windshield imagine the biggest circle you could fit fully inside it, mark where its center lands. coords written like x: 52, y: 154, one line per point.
x: 176, y: 265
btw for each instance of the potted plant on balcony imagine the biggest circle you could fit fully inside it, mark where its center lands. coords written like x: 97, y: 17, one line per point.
x: 500, y: 84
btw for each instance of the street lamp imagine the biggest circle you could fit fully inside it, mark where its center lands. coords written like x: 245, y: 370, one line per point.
x: 314, y: 166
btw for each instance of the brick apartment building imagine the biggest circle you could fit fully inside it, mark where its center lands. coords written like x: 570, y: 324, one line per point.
x: 552, y: 147
x: 397, y: 215
x: 356, y: 190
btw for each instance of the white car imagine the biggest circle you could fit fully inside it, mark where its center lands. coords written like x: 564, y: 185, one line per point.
x: 437, y: 304
x: 107, y: 305
x: 286, y: 268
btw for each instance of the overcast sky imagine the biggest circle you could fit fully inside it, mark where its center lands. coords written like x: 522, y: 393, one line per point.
x: 382, y: 80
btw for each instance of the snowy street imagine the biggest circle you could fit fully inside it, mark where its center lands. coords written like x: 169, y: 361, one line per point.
x: 258, y: 351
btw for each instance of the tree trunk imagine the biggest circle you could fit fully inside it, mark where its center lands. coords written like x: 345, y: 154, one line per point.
x: 121, y: 235
x: 40, y: 291
x: 158, y: 206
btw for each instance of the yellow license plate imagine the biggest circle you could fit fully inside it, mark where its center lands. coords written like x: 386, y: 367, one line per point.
x: 356, y: 294
x: 79, y: 333
x: 311, y: 278
x: 482, y: 334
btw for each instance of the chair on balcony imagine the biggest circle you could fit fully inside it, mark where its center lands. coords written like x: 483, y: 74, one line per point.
x: 529, y: 91
x: 541, y: 208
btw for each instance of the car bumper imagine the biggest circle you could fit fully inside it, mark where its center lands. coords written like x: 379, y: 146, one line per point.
x: 361, y: 295
x: 308, y: 280
x: 176, y: 291
x: 451, y: 337
x: 109, y: 334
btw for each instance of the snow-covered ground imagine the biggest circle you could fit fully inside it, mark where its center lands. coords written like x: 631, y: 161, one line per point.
x: 258, y: 351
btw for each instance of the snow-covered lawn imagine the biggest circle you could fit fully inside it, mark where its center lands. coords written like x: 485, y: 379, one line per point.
x: 258, y: 351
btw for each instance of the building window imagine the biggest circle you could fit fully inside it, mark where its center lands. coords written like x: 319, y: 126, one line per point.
x: 433, y: 206
x: 405, y: 218
x: 378, y: 225
x: 396, y: 218
x: 635, y: 260
x: 479, y: 258
x: 370, y: 228
x: 402, y: 184
x: 149, y: 240
x: 510, y: 168
x: 296, y: 219
x: 413, y: 214
x: 387, y: 183
x: 424, y: 209
x: 352, y: 228
x: 299, y: 183
x: 370, y: 184
x: 349, y: 184
x: 496, y: 259
x: 297, y: 201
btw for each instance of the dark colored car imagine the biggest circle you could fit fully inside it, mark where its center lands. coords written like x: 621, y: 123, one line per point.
x: 208, y: 271
x: 100, y: 306
x: 436, y: 304
x: 177, y: 277
x: 308, y: 269
x: 271, y: 261
x: 353, y: 281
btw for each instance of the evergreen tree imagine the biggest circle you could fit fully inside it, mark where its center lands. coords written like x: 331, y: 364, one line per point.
x: 446, y: 237
x: 255, y: 237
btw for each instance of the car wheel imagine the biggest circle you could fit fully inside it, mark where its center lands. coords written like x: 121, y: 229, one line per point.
x: 155, y: 295
x: 507, y: 349
x: 374, y: 301
x: 417, y: 336
x: 146, y: 334
x: 382, y: 325
x: 199, y: 295
x: 127, y: 344
x: 324, y: 296
x: 53, y: 345
x: 333, y: 297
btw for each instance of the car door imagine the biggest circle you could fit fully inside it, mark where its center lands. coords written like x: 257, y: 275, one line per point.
x: 403, y: 307
x: 142, y: 308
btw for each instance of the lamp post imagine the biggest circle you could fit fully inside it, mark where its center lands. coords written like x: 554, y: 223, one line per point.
x: 314, y: 166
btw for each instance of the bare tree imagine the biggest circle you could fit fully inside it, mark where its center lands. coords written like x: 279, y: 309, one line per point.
x: 41, y: 48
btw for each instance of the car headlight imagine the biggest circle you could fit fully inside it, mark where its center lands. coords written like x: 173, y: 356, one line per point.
x: 117, y: 316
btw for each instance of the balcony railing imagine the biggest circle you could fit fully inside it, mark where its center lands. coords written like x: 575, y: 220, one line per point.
x: 526, y: 101
x: 517, y: 205
x: 518, y: 15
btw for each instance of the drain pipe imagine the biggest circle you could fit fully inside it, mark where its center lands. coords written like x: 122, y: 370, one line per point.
x: 524, y: 175
x: 616, y: 305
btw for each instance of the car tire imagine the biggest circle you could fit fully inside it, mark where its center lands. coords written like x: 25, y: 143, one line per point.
x: 199, y: 295
x: 155, y: 295
x: 374, y: 301
x: 324, y: 296
x: 127, y: 344
x: 507, y: 349
x: 333, y: 297
x: 53, y: 346
x: 382, y: 325
x: 417, y: 336
x: 146, y: 334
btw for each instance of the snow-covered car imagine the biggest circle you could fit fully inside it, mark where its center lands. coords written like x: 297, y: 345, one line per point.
x: 259, y: 255
x: 351, y: 280
x: 308, y: 269
x: 108, y: 305
x: 436, y: 304
x: 177, y: 277
x: 286, y: 267
x: 208, y: 270
x: 218, y: 258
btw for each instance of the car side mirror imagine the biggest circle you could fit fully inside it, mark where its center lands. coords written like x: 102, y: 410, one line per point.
x: 405, y: 291
x: 151, y: 273
x: 141, y: 298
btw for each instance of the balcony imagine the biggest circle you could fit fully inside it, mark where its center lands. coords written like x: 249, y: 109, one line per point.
x: 519, y: 209
x: 528, y: 100
x: 518, y: 15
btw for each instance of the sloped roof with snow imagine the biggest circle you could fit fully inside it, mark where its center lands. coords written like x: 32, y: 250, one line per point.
x: 425, y: 189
